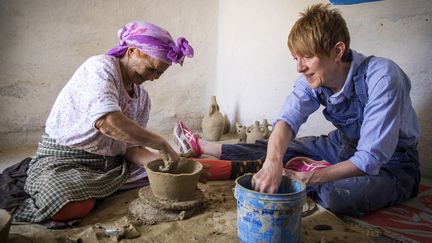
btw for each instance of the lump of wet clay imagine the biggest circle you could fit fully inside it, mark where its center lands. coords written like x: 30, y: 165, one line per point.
x: 169, y: 164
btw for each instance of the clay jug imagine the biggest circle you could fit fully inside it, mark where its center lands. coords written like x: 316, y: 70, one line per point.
x: 255, y: 132
x: 213, y: 122
x: 267, y: 128
x: 241, y: 132
x: 226, y: 125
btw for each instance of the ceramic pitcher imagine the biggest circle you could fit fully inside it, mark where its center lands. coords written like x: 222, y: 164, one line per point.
x: 226, y: 125
x: 213, y: 122
x: 241, y: 132
x: 255, y: 132
x: 267, y: 128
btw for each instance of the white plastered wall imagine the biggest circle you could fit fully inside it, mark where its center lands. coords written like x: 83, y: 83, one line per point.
x: 43, y: 42
x: 241, y: 57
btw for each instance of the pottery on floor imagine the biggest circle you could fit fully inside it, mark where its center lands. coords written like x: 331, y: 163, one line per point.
x: 255, y: 132
x: 227, y: 124
x: 241, y: 133
x: 178, y: 185
x: 213, y: 122
x: 267, y: 128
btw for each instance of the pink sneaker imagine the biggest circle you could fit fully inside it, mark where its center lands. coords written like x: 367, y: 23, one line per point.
x: 305, y: 164
x: 186, y: 139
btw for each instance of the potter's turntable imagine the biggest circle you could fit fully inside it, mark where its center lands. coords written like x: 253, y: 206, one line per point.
x: 171, y: 196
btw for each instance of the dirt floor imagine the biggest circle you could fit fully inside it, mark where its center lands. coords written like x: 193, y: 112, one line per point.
x: 216, y: 223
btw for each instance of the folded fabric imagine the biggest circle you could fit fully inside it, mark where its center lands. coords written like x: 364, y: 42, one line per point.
x: 12, y: 182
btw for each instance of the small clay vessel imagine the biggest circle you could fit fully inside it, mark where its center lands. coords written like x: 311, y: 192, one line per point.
x: 227, y: 125
x: 267, y: 128
x: 254, y: 132
x: 213, y: 122
x: 241, y: 132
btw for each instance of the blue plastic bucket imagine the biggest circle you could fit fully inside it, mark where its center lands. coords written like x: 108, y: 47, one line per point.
x: 264, y: 217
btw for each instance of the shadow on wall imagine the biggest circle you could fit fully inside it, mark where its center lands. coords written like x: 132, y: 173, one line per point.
x: 425, y: 144
x: 236, y: 114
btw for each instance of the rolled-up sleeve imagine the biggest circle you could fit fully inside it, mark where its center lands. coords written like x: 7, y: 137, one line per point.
x: 380, y: 129
x: 298, y: 105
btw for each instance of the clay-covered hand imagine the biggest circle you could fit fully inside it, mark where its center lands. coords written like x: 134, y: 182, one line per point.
x: 268, y: 178
x: 169, y: 157
x: 301, y: 176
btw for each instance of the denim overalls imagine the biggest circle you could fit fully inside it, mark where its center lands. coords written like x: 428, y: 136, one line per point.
x: 397, y: 180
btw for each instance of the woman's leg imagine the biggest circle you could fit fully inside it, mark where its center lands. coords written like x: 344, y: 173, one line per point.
x: 209, y: 148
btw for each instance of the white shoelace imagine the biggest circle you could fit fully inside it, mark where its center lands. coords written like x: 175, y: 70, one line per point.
x: 312, y: 166
x: 184, y: 134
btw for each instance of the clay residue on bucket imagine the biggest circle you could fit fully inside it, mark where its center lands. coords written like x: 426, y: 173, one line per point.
x: 269, y: 217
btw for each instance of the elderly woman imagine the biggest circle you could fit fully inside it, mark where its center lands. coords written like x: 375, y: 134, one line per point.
x: 97, y: 126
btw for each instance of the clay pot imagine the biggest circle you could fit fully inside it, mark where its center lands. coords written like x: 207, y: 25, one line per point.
x: 213, y: 122
x: 241, y: 132
x: 177, y: 186
x: 5, y: 221
x: 267, y: 128
x: 255, y: 132
x: 226, y: 125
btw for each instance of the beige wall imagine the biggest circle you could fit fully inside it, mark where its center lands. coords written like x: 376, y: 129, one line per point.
x: 241, y: 56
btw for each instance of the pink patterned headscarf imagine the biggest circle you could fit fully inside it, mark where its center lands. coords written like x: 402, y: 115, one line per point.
x: 153, y: 41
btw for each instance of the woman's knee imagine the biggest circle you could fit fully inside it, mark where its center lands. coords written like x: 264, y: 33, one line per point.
x: 74, y: 210
x: 342, y: 200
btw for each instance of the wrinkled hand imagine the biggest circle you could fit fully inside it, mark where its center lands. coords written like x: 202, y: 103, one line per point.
x: 268, y: 178
x: 170, y: 158
x: 301, y: 176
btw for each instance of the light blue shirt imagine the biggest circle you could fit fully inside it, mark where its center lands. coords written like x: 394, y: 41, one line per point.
x: 389, y: 119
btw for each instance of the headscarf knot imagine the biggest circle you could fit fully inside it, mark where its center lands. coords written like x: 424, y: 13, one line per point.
x: 153, y: 41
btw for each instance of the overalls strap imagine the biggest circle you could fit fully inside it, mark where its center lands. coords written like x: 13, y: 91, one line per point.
x: 359, y: 81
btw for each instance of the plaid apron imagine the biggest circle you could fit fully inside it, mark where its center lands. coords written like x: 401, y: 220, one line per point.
x: 60, y: 174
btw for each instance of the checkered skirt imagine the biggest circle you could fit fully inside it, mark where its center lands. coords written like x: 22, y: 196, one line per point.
x: 60, y: 174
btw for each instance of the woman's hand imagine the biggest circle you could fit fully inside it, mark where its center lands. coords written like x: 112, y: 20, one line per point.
x: 169, y: 156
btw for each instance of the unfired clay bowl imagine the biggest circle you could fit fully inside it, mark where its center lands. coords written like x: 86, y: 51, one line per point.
x: 5, y: 221
x: 177, y: 186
